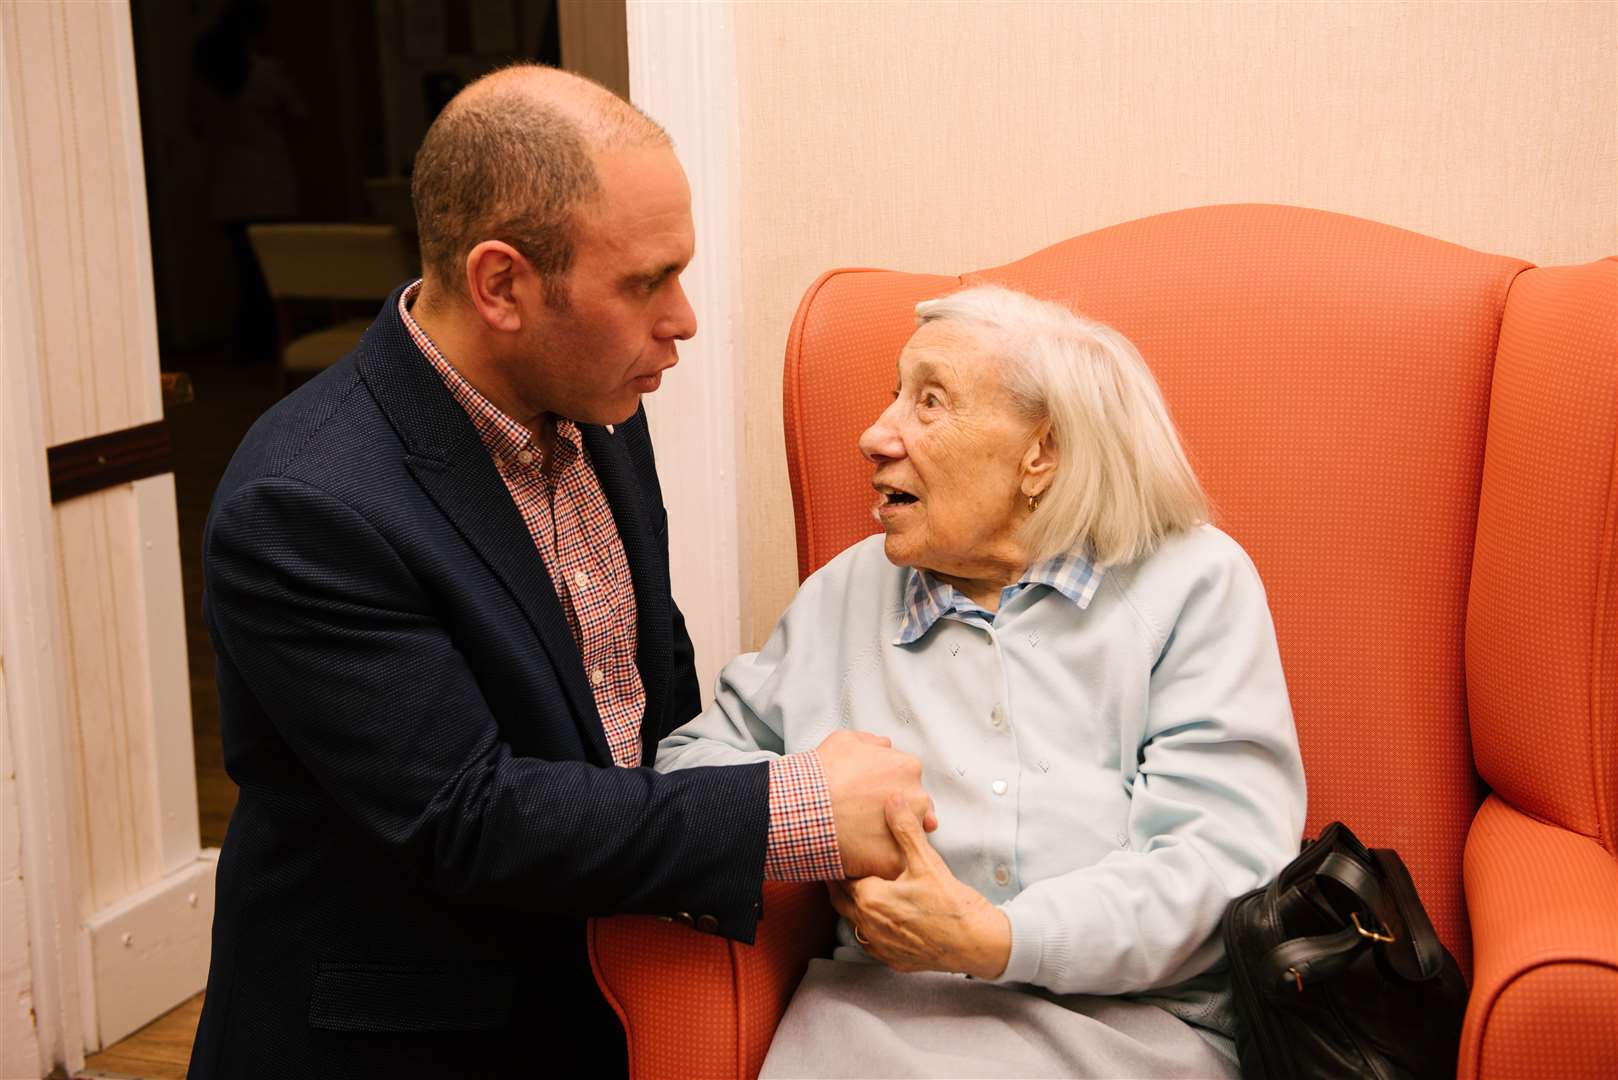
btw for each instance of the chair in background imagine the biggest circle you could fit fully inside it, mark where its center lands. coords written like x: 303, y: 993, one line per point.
x: 339, y: 263
x: 1418, y: 446
x: 389, y: 197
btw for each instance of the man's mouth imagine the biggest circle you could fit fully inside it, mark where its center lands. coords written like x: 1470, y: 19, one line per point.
x: 651, y: 380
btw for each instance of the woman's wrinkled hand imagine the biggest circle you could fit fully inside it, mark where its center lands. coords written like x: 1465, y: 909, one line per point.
x: 927, y: 919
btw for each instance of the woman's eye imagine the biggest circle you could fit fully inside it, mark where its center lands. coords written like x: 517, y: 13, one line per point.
x: 929, y: 401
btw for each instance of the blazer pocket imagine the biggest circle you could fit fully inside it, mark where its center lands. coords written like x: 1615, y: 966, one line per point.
x: 402, y: 997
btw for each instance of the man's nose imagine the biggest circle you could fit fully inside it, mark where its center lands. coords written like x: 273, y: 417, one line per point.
x: 680, y: 321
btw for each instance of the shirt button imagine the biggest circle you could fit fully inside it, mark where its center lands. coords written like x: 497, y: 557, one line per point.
x: 525, y: 456
x: 581, y: 579
x: 996, y: 716
x: 596, y: 675
x: 998, y: 787
x: 1002, y: 876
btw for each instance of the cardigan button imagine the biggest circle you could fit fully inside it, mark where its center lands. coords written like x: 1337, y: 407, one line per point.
x: 999, y: 787
x: 1002, y: 875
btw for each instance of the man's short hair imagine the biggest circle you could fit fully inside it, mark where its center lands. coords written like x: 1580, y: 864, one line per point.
x: 502, y: 163
x: 1122, y: 482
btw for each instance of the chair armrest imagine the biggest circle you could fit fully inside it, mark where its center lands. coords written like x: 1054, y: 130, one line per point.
x: 1543, y: 902
x: 693, y: 1004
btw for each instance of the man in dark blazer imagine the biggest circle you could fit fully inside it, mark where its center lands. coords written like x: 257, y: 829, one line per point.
x: 437, y: 585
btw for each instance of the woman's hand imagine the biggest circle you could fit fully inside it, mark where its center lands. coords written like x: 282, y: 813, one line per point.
x: 926, y: 919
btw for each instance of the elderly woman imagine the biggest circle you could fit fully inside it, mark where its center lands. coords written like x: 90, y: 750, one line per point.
x: 1087, y: 671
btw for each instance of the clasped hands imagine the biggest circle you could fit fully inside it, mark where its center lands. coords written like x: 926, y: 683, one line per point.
x: 908, y: 910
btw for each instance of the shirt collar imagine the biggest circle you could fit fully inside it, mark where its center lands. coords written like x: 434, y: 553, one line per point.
x: 504, y: 437
x: 928, y: 599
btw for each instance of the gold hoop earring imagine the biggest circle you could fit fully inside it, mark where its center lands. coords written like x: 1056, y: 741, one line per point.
x: 1033, y: 502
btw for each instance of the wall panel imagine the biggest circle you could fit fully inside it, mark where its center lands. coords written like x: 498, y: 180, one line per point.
x: 99, y: 707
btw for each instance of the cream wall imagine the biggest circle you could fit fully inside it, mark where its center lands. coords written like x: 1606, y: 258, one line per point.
x: 955, y: 136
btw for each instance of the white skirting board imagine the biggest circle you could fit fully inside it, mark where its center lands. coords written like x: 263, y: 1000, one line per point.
x: 148, y: 953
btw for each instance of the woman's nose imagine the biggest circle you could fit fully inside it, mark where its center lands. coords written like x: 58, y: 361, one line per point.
x: 880, y: 441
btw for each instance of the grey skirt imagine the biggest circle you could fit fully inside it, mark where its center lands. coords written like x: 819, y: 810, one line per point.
x: 864, y: 1020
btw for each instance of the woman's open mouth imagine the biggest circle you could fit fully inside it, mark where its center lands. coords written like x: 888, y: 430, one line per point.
x: 890, y: 501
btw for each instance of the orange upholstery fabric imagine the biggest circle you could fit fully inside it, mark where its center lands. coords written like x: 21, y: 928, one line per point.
x: 694, y: 1004
x: 1542, y: 647
x: 1544, y: 907
x: 1337, y: 386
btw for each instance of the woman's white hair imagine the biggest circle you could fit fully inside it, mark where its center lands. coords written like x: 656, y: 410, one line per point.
x: 1122, y: 482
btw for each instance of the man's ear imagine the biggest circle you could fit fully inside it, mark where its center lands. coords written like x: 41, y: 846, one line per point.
x: 1039, y: 461
x: 493, y: 269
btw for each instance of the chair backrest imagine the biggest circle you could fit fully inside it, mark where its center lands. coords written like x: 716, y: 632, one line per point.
x: 1330, y: 377
x: 332, y: 261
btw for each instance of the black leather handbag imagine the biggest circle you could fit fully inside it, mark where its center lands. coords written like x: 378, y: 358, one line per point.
x: 1336, y: 970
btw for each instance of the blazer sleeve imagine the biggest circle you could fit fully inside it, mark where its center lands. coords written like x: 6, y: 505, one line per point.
x: 373, y: 697
x: 1216, y: 804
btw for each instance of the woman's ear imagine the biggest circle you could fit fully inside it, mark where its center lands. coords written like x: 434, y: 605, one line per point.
x: 1039, y: 461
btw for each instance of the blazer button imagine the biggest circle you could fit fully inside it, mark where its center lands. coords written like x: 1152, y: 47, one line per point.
x: 683, y: 918
x: 708, y: 924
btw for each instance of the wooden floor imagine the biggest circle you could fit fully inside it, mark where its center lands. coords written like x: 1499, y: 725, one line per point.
x: 159, y: 1051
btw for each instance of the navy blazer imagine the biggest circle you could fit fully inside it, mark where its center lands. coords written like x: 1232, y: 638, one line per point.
x: 428, y: 806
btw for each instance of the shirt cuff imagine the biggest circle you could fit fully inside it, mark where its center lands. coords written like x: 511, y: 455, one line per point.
x: 802, y: 843
x: 1028, y: 944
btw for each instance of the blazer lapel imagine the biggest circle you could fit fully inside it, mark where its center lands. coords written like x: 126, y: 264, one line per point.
x: 454, y: 468
x: 647, y: 566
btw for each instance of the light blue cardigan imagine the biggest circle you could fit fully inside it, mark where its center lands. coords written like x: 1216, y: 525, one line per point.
x: 1111, y: 776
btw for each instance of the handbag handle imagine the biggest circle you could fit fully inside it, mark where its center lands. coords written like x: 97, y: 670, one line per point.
x: 1300, y: 960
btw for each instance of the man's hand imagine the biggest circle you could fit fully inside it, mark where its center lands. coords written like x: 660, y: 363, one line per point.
x: 928, y: 919
x: 862, y: 771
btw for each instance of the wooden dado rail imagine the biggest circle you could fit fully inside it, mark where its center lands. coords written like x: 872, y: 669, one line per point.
x: 85, y: 466
x: 118, y: 457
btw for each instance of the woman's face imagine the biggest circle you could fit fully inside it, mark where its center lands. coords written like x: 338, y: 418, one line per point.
x: 950, y: 455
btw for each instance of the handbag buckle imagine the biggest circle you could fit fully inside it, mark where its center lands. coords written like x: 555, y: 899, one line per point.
x: 1371, y: 935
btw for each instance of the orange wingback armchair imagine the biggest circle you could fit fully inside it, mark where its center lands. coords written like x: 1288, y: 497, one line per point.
x: 1418, y: 445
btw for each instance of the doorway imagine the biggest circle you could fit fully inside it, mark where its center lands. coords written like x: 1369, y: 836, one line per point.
x: 297, y: 112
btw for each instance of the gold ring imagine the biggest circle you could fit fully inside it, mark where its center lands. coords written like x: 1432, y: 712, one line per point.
x: 859, y: 937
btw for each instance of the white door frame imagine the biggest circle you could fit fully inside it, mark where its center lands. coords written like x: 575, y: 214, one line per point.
x: 682, y: 72
x: 119, y: 895
x: 30, y: 645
